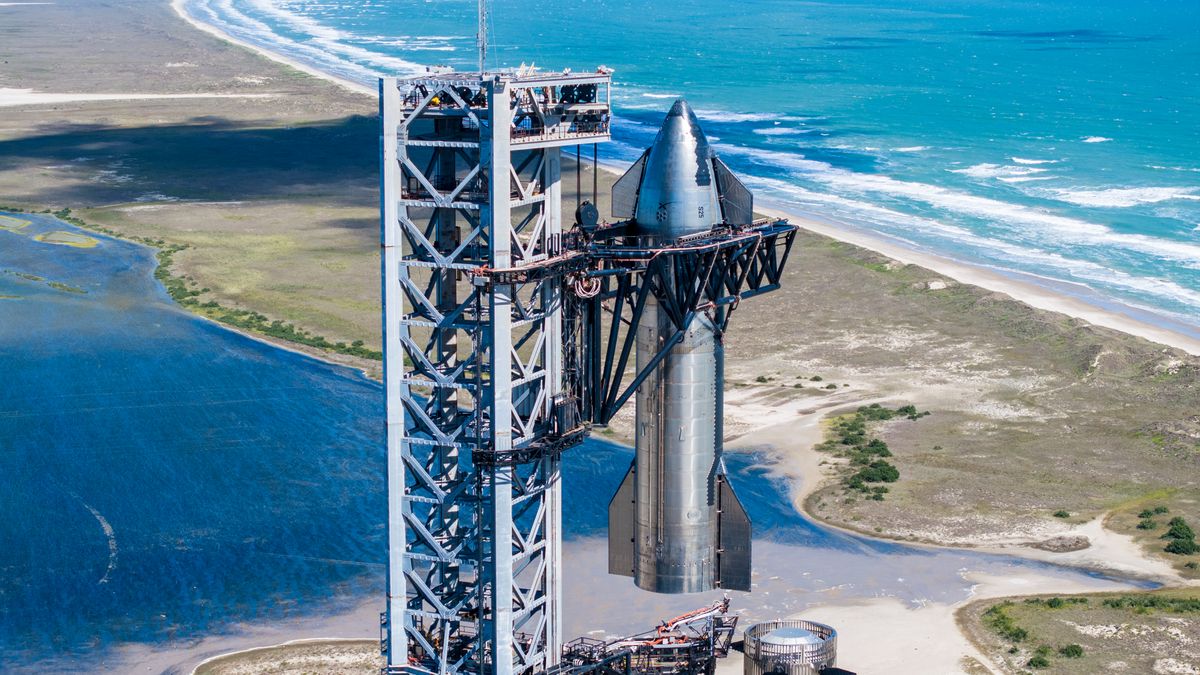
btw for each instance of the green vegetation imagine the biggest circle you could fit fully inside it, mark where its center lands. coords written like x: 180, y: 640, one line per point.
x: 999, y: 621
x: 60, y: 286
x: 849, y: 438
x: 1182, y: 547
x: 1056, y: 602
x: 1182, y: 539
x: 1147, y: 520
x: 182, y: 290
x: 1062, y: 514
x: 1081, y: 635
x: 1163, y: 603
x: 1071, y: 651
x: 1003, y: 624
x: 56, y: 285
x: 1179, y: 529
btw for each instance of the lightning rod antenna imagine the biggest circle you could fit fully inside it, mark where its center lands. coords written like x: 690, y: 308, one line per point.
x: 481, y: 34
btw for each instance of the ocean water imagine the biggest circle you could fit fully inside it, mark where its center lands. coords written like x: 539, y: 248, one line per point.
x: 1056, y: 141
x: 167, y: 480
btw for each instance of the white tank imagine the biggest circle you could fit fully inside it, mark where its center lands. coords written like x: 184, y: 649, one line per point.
x: 789, y: 647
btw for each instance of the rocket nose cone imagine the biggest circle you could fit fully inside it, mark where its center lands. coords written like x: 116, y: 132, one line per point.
x: 682, y: 118
x: 680, y: 127
x: 681, y: 109
x: 677, y: 195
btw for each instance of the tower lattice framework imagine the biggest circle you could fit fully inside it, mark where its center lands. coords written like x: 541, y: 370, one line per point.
x: 477, y: 408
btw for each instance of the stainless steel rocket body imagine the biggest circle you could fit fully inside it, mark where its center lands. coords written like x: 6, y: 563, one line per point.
x: 675, y: 524
x: 678, y: 455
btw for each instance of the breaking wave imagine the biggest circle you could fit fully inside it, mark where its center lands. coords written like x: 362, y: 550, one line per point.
x: 320, y: 46
x: 1126, y: 197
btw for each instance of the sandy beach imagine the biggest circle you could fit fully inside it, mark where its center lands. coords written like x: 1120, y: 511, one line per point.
x: 887, y: 634
x: 1023, y: 291
x: 355, y: 87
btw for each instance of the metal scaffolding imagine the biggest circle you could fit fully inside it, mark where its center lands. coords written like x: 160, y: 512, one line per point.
x: 477, y: 408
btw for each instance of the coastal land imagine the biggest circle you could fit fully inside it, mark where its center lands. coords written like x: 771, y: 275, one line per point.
x: 1052, y: 426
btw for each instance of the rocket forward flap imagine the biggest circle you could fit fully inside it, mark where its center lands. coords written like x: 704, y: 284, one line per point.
x: 621, y: 527
x: 737, y: 203
x: 625, y: 190
x: 733, y: 539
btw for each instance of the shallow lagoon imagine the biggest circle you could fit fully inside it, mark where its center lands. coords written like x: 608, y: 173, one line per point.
x: 167, y: 479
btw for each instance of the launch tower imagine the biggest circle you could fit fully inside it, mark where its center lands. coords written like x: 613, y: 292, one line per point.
x: 508, y: 333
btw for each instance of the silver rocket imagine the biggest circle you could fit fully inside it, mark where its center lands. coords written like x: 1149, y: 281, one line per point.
x: 675, y: 524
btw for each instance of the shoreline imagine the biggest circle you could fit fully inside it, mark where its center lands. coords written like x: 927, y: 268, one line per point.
x: 177, y: 6
x: 1038, y: 297
x: 1035, y: 296
x: 792, y: 444
x: 286, y: 643
x: 328, y: 358
x: 1029, y: 293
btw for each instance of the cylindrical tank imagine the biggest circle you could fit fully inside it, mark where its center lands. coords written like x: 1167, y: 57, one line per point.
x: 678, y: 439
x: 789, y: 647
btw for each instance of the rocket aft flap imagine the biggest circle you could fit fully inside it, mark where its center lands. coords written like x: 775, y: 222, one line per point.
x: 675, y: 524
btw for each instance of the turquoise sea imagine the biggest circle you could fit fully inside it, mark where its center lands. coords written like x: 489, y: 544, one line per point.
x: 1055, y: 140
x: 167, y: 480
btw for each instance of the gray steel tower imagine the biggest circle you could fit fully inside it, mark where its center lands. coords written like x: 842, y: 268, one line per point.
x: 471, y: 191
